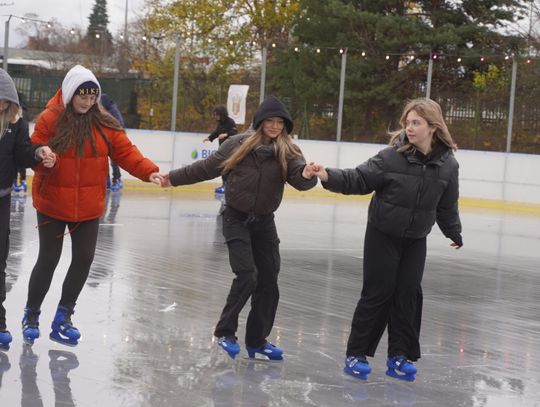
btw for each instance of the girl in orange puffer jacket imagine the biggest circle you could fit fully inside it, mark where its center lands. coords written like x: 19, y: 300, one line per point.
x: 71, y: 195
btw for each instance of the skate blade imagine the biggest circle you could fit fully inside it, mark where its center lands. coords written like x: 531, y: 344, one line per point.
x: 4, y: 347
x: 262, y: 359
x: 232, y: 355
x: 63, y: 341
x: 29, y: 342
x: 350, y: 372
x: 401, y: 376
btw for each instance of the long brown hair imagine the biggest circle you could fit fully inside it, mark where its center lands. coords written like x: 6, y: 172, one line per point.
x: 74, y: 129
x: 431, y: 112
x: 8, y: 116
x: 283, y: 146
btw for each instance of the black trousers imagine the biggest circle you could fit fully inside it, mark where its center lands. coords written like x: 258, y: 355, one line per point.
x: 391, y: 296
x: 51, y: 239
x: 116, y: 174
x: 5, y: 208
x: 253, y: 246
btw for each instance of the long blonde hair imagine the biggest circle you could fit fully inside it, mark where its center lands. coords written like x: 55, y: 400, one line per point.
x: 283, y: 145
x: 10, y: 115
x: 431, y: 112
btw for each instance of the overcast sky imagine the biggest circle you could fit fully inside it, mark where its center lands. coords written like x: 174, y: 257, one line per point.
x: 69, y: 13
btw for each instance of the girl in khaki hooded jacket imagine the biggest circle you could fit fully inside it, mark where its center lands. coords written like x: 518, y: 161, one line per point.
x: 256, y: 167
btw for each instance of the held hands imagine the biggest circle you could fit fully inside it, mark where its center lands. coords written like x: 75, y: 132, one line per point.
x: 166, y: 181
x: 48, y: 157
x: 313, y: 169
x: 156, y: 178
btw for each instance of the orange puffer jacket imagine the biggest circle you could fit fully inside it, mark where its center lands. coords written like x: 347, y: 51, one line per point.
x: 74, y: 189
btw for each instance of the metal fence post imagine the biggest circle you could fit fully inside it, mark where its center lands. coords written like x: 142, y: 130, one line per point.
x: 511, y: 106
x: 175, y: 84
x: 429, y: 75
x: 341, y: 93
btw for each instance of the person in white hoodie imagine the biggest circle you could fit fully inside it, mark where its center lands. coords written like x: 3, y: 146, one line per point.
x: 71, y: 195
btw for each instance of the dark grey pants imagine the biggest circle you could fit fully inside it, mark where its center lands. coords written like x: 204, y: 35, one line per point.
x: 5, y: 208
x: 254, y: 257
x: 391, y: 296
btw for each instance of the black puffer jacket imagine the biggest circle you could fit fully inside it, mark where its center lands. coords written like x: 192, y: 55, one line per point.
x: 16, y: 151
x: 410, y: 193
x: 255, y: 185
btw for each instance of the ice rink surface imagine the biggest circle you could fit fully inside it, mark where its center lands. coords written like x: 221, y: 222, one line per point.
x: 161, y: 275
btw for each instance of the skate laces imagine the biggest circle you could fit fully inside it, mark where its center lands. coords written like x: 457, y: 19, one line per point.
x: 31, y: 319
x: 402, y: 364
x: 66, y: 323
x: 227, y: 341
x: 354, y: 360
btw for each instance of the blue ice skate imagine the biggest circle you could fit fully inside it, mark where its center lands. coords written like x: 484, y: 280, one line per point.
x: 400, y: 368
x: 272, y: 352
x: 62, y: 330
x: 117, y: 185
x: 30, y: 325
x: 23, y: 186
x: 357, y: 366
x: 220, y: 190
x: 230, y: 345
x: 15, y: 187
x: 5, y: 339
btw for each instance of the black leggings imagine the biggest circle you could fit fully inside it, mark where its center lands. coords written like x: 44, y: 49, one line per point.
x: 51, y: 238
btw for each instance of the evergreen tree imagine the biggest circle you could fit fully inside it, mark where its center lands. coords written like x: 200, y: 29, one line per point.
x: 397, y: 37
x: 98, y: 37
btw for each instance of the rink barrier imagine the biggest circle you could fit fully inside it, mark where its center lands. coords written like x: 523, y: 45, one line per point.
x: 503, y: 181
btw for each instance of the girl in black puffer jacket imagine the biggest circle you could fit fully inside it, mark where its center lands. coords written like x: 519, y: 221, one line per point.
x: 415, y: 184
x: 16, y: 151
x: 257, y: 165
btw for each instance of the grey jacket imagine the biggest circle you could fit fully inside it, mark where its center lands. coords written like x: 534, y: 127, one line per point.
x: 410, y: 194
x: 255, y: 186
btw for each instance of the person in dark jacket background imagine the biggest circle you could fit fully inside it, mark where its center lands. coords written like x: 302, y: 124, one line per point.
x: 225, y: 128
x: 16, y: 151
x: 257, y: 166
x: 112, y: 108
x: 19, y: 182
x: 415, y: 181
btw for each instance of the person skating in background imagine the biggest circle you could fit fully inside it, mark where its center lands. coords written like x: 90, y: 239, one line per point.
x: 415, y: 184
x: 257, y: 165
x: 71, y: 195
x: 112, y: 108
x: 225, y: 128
x: 17, y: 152
x: 19, y: 182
